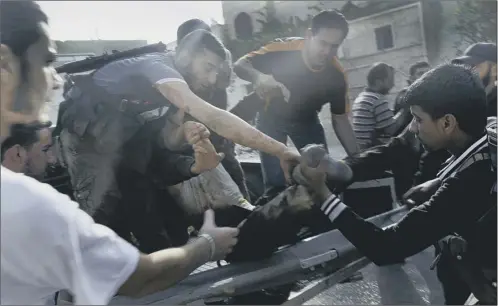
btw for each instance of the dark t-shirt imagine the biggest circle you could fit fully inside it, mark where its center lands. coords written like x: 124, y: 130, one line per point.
x: 119, y: 77
x: 135, y: 78
x: 309, y: 89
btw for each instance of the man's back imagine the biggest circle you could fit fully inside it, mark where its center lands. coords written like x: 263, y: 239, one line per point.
x: 48, y: 244
x: 371, y: 116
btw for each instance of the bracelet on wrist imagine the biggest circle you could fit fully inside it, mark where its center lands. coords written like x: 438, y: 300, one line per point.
x: 212, y: 245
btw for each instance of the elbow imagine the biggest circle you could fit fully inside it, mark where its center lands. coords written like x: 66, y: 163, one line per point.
x: 238, y: 67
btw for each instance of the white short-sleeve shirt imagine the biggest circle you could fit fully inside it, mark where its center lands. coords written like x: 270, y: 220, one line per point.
x: 48, y: 244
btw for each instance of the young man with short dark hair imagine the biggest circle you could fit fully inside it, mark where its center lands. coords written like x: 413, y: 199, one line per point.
x: 217, y: 96
x: 374, y: 123
x: 295, y: 77
x: 449, y: 108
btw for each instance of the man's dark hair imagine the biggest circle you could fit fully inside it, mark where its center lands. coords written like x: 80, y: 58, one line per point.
x: 190, y: 25
x: 451, y: 89
x: 378, y: 71
x: 329, y: 19
x: 418, y: 65
x: 19, y: 28
x: 199, y: 40
x: 19, y: 24
x: 24, y: 135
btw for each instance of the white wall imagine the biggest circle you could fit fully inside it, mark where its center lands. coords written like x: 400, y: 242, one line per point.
x: 360, y: 48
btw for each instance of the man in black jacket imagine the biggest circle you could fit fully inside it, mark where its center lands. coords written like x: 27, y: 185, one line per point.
x: 449, y: 107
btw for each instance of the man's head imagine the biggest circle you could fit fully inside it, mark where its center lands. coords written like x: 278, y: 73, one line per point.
x: 26, y: 56
x: 225, y: 73
x: 417, y: 70
x: 199, y: 57
x: 380, y: 78
x: 481, y: 56
x: 28, y: 149
x: 448, y: 104
x: 189, y: 26
x: 327, y: 32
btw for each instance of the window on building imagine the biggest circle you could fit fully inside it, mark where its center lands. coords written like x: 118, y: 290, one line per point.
x: 243, y: 26
x: 384, y: 37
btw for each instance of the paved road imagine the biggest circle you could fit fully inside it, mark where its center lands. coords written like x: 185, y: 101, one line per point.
x: 412, y: 283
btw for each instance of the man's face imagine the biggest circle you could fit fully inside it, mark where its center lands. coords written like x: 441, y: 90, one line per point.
x: 32, y: 160
x: 433, y: 134
x: 418, y: 73
x: 204, y: 70
x: 487, y: 73
x: 23, y: 94
x: 40, y: 155
x: 322, y: 46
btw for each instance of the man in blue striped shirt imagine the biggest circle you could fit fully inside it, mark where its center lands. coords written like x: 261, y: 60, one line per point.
x: 374, y: 123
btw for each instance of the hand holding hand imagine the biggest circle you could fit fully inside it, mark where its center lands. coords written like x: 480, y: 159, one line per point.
x: 225, y: 238
x: 195, y: 131
x: 288, y: 160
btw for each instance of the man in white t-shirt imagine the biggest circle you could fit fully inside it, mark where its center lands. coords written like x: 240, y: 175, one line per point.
x: 47, y: 243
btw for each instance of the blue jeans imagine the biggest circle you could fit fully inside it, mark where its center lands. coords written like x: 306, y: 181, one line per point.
x: 301, y: 134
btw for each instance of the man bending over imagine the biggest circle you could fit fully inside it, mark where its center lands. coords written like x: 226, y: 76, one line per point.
x: 295, y: 77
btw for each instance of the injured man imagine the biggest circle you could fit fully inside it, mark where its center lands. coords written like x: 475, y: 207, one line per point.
x: 263, y: 229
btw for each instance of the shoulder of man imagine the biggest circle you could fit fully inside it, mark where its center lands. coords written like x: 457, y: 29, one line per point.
x: 285, y: 44
x: 31, y: 196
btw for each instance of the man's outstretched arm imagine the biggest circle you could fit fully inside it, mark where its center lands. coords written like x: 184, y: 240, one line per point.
x: 417, y: 230
x: 224, y: 123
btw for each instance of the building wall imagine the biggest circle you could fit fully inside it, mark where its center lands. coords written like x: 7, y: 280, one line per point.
x: 283, y: 10
x: 360, y: 50
x: 447, y: 49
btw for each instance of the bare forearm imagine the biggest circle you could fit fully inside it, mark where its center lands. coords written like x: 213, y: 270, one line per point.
x: 244, y: 70
x: 160, y: 270
x: 344, y: 131
x: 220, y: 121
x: 239, y: 131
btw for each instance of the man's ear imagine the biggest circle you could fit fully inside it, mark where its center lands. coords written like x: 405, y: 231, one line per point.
x: 183, y: 58
x: 448, y: 124
x: 9, y: 63
x: 15, y: 154
x: 9, y: 68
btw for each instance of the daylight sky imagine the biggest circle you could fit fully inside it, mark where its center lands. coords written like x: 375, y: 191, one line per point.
x: 122, y: 20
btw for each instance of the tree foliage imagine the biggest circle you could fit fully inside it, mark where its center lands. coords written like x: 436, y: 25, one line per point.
x: 475, y: 21
x: 270, y: 29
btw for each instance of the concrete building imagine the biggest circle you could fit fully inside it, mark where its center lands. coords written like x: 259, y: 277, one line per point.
x: 397, y: 32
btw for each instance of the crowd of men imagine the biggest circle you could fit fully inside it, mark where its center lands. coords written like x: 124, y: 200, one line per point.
x: 149, y: 148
